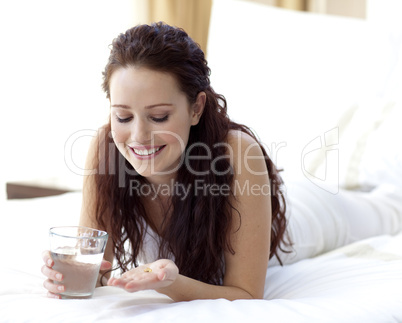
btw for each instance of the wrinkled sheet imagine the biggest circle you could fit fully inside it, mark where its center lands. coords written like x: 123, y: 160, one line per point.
x: 361, y: 282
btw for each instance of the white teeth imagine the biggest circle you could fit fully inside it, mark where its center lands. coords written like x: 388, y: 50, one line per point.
x: 146, y: 152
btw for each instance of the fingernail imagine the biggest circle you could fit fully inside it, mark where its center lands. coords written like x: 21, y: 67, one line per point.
x: 60, y: 288
x: 59, y: 277
x: 49, y: 262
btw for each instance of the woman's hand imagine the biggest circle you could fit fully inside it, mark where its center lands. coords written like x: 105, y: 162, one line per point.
x: 158, y: 274
x: 54, y: 290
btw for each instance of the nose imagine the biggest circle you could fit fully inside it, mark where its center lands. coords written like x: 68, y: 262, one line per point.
x: 140, y: 132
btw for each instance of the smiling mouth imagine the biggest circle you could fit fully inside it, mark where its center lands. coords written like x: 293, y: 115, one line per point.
x: 146, y: 152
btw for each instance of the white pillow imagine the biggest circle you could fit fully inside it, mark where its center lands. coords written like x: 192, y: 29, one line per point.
x: 381, y: 160
x: 291, y: 75
x: 368, y: 151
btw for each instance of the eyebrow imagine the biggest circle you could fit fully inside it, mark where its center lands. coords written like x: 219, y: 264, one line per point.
x: 123, y: 106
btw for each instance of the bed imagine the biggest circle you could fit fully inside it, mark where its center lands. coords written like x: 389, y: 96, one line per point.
x: 361, y: 282
x: 350, y: 69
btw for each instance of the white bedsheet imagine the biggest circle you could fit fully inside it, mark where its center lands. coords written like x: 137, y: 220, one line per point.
x: 361, y: 282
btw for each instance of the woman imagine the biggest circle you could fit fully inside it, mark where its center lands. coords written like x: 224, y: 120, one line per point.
x: 176, y: 183
x: 191, y: 201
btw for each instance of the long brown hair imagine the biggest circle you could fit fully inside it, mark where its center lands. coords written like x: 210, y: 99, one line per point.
x: 198, y: 230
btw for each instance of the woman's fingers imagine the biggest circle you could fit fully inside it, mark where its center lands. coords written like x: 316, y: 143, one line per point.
x: 54, y: 280
x: 49, y: 284
x: 47, y: 267
x: 152, y: 276
x: 105, y: 265
x: 117, y: 282
x: 134, y: 280
x: 52, y: 287
x: 52, y: 275
x: 167, y: 270
x: 52, y: 295
x: 47, y: 259
x: 142, y: 283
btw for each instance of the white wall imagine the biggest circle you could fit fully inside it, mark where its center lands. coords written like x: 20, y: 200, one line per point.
x: 52, y: 56
x: 388, y: 15
x: 350, y: 8
x: 385, y: 12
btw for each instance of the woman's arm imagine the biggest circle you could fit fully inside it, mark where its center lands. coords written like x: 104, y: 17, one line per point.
x: 245, y: 270
x: 88, y: 208
x: 87, y: 219
x: 187, y: 289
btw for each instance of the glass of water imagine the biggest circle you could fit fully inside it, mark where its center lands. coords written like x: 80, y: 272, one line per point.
x: 77, y: 253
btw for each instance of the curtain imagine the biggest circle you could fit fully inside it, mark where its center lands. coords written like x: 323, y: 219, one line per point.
x: 293, y: 4
x: 287, y: 4
x: 191, y: 15
x: 194, y: 15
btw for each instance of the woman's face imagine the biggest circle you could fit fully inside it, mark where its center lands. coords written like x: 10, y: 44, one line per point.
x: 150, y: 120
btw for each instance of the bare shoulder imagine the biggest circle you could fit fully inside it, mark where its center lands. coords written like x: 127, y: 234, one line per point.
x: 98, y: 140
x: 235, y: 137
x: 246, y: 154
x: 250, y: 236
x: 89, y: 183
x: 89, y: 191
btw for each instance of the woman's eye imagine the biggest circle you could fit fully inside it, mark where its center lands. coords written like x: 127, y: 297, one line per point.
x: 123, y: 120
x: 160, y: 119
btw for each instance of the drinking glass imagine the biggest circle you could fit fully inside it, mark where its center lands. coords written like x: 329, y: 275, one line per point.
x: 77, y: 253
